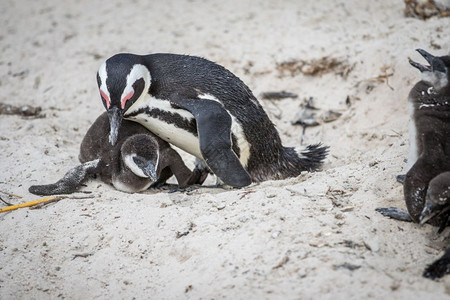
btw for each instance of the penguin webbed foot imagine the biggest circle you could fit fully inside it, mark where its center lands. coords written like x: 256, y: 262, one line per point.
x: 160, y: 185
x: 394, y: 213
x: 186, y: 189
x: 439, y: 268
x: 198, y: 176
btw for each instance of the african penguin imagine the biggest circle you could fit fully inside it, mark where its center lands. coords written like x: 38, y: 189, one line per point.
x: 437, y: 205
x: 429, y: 131
x: 437, y: 199
x: 426, y: 186
x: 204, y: 109
x: 429, y: 102
x: 138, y: 160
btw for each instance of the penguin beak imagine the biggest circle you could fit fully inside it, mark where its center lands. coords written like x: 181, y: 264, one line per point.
x: 428, y: 212
x: 115, y: 120
x: 150, y: 171
x: 436, y: 64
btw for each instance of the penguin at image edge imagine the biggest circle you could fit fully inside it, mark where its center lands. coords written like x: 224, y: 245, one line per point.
x: 426, y: 185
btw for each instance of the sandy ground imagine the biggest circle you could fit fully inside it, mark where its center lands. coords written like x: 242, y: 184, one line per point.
x: 312, y: 237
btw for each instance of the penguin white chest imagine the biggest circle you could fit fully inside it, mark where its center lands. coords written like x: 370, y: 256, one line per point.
x: 167, y: 126
x: 172, y: 125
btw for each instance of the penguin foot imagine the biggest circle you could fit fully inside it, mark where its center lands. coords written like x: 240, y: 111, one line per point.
x: 184, y: 189
x: 198, y: 176
x: 162, y: 186
x: 438, y: 268
x: 394, y: 213
x: 401, y: 178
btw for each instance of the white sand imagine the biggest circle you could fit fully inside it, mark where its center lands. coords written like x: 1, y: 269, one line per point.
x: 276, y: 240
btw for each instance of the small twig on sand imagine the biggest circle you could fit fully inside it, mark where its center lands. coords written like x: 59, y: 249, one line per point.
x: 246, y: 193
x: 31, y: 203
x: 24, y: 110
x: 84, y: 255
x: 7, y: 203
x: 41, y: 205
x: 41, y: 202
x: 282, y: 262
x: 10, y: 194
x: 44, y: 203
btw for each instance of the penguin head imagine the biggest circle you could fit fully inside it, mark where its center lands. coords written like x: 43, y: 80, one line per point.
x: 437, y: 73
x: 140, y: 154
x: 437, y: 200
x: 122, y: 80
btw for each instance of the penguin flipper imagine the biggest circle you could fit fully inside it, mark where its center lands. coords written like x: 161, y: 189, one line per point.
x: 177, y: 167
x: 394, y: 213
x: 214, y: 132
x: 69, y: 183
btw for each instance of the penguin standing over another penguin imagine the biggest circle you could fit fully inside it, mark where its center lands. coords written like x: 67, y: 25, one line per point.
x: 206, y: 111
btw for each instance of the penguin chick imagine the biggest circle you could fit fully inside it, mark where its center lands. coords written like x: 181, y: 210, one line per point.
x: 427, y: 181
x: 429, y: 102
x: 438, y: 204
x: 429, y: 108
x: 432, y: 93
x: 437, y: 199
x: 137, y: 161
x: 204, y: 109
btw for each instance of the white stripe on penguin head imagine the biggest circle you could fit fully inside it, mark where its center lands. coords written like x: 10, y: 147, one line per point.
x: 137, y: 72
x: 103, y: 76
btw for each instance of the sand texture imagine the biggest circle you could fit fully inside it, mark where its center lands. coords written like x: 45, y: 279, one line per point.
x: 317, y: 236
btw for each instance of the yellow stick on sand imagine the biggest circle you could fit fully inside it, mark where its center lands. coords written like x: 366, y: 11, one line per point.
x: 31, y: 203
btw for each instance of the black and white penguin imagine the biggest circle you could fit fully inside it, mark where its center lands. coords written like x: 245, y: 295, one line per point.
x: 429, y: 155
x: 437, y: 199
x: 426, y: 186
x: 138, y: 160
x: 204, y: 109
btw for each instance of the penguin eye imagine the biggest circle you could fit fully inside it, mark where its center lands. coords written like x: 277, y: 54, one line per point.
x: 126, y: 98
x: 106, y: 98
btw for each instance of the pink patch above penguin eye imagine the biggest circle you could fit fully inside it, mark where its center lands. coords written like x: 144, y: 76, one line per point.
x: 126, y: 98
x: 106, y: 98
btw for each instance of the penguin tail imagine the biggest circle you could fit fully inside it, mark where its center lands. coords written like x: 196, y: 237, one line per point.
x: 308, y: 159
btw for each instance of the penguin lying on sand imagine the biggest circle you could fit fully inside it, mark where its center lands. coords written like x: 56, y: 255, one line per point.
x: 427, y: 182
x: 138, y: 160
x: 205, y: 110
